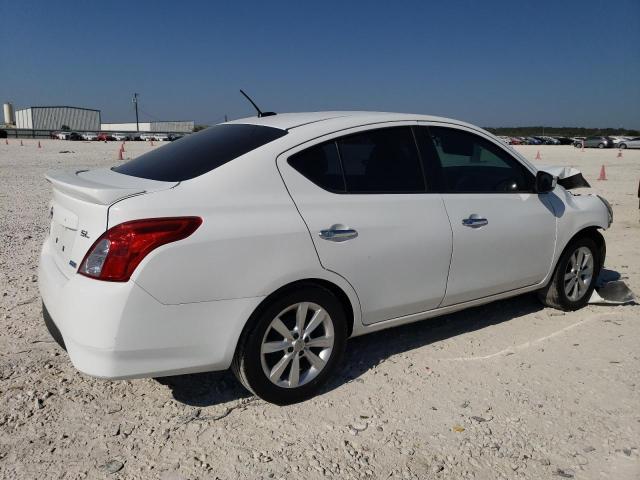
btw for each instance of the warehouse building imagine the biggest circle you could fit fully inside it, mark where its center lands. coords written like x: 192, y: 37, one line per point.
x: 54, y: 118
x: 166, y: 126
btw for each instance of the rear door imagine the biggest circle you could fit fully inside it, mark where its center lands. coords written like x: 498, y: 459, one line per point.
x: 363, y: 197
x: 503, y: 233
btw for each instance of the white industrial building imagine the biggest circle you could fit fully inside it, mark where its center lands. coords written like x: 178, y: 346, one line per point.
x: 166, y: 126
x: 54, y: 118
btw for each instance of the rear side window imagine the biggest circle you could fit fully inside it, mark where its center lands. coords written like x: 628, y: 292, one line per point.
x: 199, y: 153
x: 381, y: 161
x: 321, y: 165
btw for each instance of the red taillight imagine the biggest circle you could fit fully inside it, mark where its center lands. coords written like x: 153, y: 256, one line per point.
x: 117, y: 253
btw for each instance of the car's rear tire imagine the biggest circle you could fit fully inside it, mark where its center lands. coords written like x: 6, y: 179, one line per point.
x: 622, y: 146
x: 292, y: 345
x: 575, y: 276
x: 601, y: 145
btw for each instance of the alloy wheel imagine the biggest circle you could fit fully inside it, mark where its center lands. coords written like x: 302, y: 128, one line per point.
x: 578, y: 274
x: 297, y: 345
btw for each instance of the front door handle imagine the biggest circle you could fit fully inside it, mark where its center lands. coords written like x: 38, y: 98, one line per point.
x: 475, y: 221
x: 338, y: 233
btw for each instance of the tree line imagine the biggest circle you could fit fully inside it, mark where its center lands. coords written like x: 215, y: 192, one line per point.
x: 561, y: 131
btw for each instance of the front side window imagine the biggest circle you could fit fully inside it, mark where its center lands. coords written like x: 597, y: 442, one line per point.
x: 470, y: 163
x: 199, y: 153
x: 381, y: 161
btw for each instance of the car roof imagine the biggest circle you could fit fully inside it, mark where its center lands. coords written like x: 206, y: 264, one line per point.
x: 289, y: 121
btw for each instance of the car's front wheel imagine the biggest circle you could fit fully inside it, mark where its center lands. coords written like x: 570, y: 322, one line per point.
x: 601, y: 145
x: 622, y: 146
x: 292, y: 345
x: 575, y: 276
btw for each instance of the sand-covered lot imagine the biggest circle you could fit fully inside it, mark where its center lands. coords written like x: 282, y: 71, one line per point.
x: 508, y: 390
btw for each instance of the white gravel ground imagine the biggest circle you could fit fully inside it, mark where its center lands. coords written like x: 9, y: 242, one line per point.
x: 508, y: 390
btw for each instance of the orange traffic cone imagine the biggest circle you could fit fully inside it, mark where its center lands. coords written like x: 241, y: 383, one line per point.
x: 21, y: 144
x: 582, y: 149
x: 619, y: 153
x: 152, y: 143
x: 39, y: 146
x: 122, y: 147
x: 538, y: 157
x: 603, y: 174
x: 120, y: 155
x: 6, y: 141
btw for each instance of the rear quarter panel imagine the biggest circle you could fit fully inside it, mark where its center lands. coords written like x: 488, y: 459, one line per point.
x: 251, y: 242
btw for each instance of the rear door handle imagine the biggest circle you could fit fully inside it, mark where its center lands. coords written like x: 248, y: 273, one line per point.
x: 475, y: 221
x: 338, y: 233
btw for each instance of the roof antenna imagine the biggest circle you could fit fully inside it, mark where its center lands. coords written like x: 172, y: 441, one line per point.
x: 260, y: 112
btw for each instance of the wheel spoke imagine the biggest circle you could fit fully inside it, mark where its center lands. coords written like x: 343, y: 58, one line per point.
x: 294, y: 374
x: 569, y: 285
x: 317, y: 319
x: 568, y: 276
x: 315, y: 360
x: 322, y: 342
x: 301, y: 316
x: 579, y: 258
x: 587, y: 272
x: 270, y: 347
x: 575, y: 290
x: 278, y: 368
x: 282, y: 329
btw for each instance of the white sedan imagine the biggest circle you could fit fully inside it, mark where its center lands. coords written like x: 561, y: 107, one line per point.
x: 89, y: 136
x: 264, y: 243
x: 629, y: 143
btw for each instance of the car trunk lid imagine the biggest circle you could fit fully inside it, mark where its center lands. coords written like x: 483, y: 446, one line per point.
x: 80, y: 207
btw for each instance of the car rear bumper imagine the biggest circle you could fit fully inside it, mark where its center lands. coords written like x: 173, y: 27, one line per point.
x: 117, y: 330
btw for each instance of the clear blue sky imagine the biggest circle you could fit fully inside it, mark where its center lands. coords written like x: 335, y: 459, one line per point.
x: 493, y: 63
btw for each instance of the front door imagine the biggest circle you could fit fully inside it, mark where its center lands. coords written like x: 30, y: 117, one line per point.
x: 364, y: 200
x: 503, y: 232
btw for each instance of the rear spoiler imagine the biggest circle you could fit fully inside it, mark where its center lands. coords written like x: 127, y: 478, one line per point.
x: 568, y: 177
x: 88, y: 190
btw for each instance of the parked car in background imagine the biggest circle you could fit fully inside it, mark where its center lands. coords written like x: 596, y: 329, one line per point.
x: 564, y: 140
x: 173, y: 136
x: 105, y: 137
x: 161, y: 137
x: 533, y: 141
x: 264, y: 243
x: 630, y: 143
x: 68, y: 136
x: 119, y: 136
x: 89, y: 136
x: 617, y: 139
x: 515, y: 141
x: 578, y: 141
x: 147, y: 137
x: 3, y: 134
x: 598, y: 142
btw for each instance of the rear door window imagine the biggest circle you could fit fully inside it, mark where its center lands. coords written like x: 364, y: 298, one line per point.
x: 381, y: 161
x: 321, y: 165
x: 199, y: 153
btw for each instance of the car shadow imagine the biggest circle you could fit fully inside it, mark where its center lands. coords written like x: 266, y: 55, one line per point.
x: 363, y: 353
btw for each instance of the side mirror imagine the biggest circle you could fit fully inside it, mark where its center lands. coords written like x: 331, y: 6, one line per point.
x: 545, y: 182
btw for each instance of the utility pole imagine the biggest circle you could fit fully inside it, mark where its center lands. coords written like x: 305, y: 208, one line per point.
x: 135, y: 102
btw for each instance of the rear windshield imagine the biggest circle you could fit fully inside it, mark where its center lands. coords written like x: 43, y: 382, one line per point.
x: 200, y: 152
